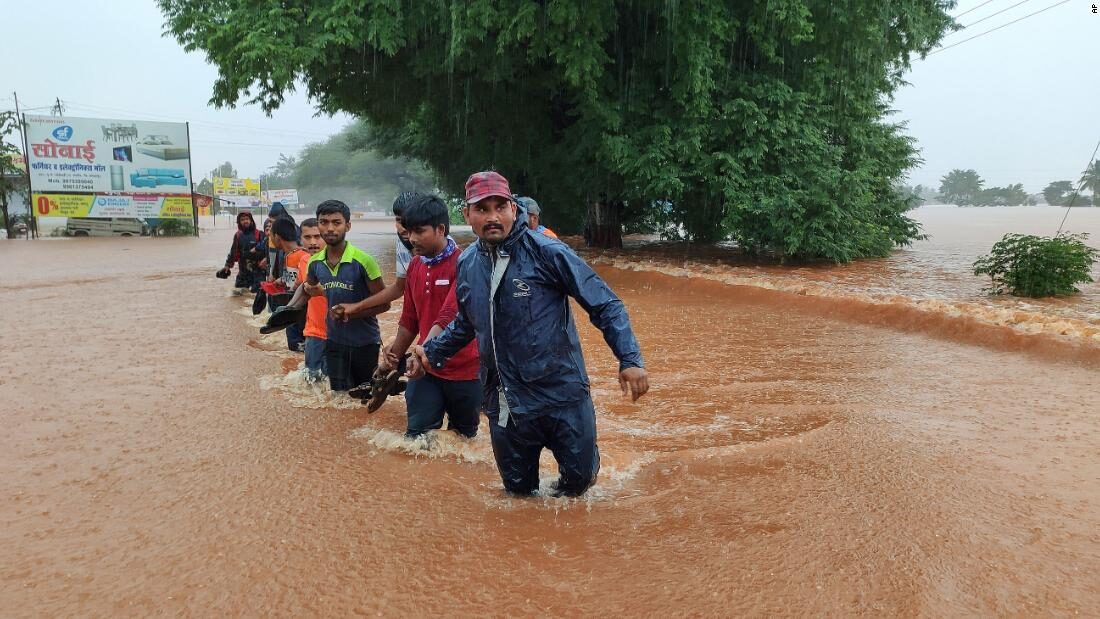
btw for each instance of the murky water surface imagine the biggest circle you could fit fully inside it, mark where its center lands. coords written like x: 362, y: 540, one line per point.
x: 878, y: 438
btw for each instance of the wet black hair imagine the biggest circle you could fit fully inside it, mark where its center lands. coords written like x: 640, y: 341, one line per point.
x: 330, y: 207
x: 403, y: 201
x: 284, y: 228
x: 426, y: 210
x: 309, y: 223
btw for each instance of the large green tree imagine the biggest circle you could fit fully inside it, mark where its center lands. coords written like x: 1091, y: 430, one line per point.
x: 348, y: 166
x: 1090, y: 180
x: 1057, y: 192
x: 961, y: 187
x: 1012, y: 195
x: 13, y: 179
x: 766, y: 122
x: 280, y: 175
x: 225, y: 170
x: 205, y: 187
x: 912, y: 195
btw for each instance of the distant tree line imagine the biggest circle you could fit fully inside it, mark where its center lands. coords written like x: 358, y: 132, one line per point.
x: 343, y: 167
x: 967, y: 188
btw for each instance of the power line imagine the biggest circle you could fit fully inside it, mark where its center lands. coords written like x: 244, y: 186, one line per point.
x: 973, y: 9
x: 1080, y: 186
x: 216, y: 142
x: 37, y: 107
x: 936, y: 51
x: 106, y: 109
x: 995, y: 14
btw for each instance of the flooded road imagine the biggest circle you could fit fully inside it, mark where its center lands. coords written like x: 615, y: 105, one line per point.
x: 822, y: 440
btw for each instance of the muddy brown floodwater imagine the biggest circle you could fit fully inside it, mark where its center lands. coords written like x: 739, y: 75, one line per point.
x: 877, y: 439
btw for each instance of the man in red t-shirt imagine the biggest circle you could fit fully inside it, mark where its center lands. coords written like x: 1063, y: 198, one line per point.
x: 454, y: 389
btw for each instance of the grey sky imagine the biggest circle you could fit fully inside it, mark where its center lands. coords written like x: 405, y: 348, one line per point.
x: 107, y: 59
x: 1021, y: 104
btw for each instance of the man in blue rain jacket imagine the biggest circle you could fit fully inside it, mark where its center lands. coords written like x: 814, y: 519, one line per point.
x: 512, y: 292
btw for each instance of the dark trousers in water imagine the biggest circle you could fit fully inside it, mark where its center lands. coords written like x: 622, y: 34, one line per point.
x: 569, y: 432
x: 247, y: 278
x: 315, y: 357
x: 350, y: 366
x: 295, y: 338
x: 429, y: 397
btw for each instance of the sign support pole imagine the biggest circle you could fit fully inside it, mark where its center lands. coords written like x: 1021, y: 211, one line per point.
x: 191, y: 176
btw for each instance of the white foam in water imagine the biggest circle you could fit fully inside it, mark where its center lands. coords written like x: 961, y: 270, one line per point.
x: 276, y: 340
x: 302, y: 391
x: 257, y: 320
x: 613, y: 482
x: 434, y: 444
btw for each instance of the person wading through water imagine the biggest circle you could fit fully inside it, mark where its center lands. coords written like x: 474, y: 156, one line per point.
x: 247, y: 251
x: 512, y: 291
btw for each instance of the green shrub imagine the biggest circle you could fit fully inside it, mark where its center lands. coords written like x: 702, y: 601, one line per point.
x: 176, y: 227
x: 1025, y: 265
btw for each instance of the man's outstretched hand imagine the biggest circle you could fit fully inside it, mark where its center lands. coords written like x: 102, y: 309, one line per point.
x: 636, y: 380
x: 417, y: 363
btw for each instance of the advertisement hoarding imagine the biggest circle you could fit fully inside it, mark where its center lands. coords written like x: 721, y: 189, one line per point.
x: 236, y: 187
x: 203, y: 204
x: 237, y: 193
x: 90, y: 167
x: 288, y: 197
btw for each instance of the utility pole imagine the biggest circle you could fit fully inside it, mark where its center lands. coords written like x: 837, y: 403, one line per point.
x: 58, y: 109
x: 32, y: 221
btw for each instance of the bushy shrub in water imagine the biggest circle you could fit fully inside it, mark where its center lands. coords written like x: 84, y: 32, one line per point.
x: 1026, y: 265
x: 176, y: 227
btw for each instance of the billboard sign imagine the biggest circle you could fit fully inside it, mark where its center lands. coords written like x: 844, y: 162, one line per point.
x: 288, y: 197
x: 203, y: 203
x: 89, y: 167
x: 236, y: 187
x: 237, y: 193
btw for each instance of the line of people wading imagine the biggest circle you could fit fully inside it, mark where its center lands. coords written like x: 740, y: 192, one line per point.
x: 488, y: 328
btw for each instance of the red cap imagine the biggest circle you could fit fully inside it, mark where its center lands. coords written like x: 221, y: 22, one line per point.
x: 482, y: 185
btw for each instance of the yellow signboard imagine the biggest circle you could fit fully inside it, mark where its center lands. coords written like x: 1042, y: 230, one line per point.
x: 236, y: 187
x: 84, y: 205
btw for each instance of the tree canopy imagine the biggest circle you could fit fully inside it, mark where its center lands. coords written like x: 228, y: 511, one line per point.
x: 961, y: 187
x: 1057, y: 193
x: 765, y: 122
x: 1090, y: 179
x: 13, y: 178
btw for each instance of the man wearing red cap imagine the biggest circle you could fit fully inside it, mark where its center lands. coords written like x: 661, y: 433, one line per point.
x: 512, y: 290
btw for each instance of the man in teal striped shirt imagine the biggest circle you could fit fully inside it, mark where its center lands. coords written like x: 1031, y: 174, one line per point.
x: 346, y: 275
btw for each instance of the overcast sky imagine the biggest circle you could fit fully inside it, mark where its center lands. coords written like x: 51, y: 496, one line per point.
x: 108, y: 59
x: 1021, y: 104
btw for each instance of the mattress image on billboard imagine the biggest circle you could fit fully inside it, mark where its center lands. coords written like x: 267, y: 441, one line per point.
x: 161, y: 147
x: 155, y: 177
